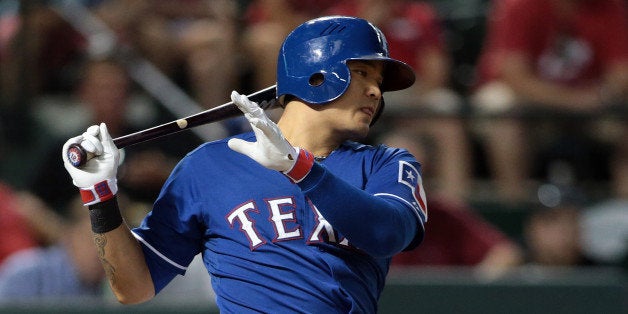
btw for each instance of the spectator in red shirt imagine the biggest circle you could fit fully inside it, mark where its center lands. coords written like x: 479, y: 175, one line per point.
x: 559, y: 56
x: 430, y: 108
x: 461, y: 237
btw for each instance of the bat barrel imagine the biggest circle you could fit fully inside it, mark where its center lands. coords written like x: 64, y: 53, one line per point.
x: 223, y: 112
x: 265, y: 97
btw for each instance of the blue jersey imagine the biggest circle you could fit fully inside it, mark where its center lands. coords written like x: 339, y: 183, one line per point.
x: 323, y: 245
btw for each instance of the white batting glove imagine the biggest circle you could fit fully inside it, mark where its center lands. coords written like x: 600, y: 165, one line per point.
x: 96, y: 179
x: 271, y: 149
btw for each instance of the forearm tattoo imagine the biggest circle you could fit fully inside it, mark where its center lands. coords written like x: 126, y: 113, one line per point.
x: 101, y: 241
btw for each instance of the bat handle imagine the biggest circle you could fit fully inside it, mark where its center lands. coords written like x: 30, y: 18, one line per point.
x: 77, y: 155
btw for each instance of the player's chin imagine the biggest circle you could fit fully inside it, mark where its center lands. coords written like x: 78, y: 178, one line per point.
x: 361, y: 129
x: 357, y: 127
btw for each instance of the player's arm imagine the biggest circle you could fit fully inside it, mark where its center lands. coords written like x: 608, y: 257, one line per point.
x: 122, y: 259
x: 120, y: 253
x: 387, y: 224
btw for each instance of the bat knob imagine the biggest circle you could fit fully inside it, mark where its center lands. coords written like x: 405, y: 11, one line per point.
x: 76, y: 155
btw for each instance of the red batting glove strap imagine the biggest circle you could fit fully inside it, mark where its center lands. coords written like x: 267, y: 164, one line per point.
x: 99, y: 192
x: 303, y: 165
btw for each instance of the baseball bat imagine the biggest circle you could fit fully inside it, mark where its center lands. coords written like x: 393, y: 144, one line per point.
x: 265, y: 98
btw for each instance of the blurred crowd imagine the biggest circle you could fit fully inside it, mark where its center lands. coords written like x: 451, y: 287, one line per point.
x: 520, y: 108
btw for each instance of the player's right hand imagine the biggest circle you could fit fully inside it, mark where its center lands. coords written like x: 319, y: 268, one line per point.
x: 96, y: 179
x: 270, y: 149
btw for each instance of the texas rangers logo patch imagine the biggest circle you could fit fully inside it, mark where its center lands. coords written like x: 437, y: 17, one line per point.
x: 409, y: 176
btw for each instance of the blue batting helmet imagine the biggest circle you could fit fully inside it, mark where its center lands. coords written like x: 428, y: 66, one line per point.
x: 312, y: 64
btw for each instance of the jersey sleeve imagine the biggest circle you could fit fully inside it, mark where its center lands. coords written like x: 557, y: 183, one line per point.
x: 399, y: 179
x: 383, y: 218
x: 170, y: 234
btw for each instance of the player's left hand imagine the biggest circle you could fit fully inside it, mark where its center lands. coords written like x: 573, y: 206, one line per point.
x: 96, y: 179
x: 271, y: 149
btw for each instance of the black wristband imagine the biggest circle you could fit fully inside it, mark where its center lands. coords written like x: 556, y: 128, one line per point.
x: 105, y: 216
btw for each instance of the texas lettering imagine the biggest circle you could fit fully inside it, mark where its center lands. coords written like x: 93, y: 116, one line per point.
x: 282, y: 216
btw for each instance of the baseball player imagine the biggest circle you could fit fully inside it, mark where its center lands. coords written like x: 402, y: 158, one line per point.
x: 291, y: 217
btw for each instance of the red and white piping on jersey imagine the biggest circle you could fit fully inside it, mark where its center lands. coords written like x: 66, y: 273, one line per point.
x: 164, y: 257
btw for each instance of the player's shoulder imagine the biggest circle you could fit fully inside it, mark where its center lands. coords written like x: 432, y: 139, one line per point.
x: 218, y: 146
x: 380, y: 152
x: 217, y: 151
x: 352, y: 147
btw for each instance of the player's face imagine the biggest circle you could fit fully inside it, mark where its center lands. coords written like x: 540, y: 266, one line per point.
x: 352, y: 113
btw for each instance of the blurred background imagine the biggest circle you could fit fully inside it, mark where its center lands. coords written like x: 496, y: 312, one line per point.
x: 519, y: 118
